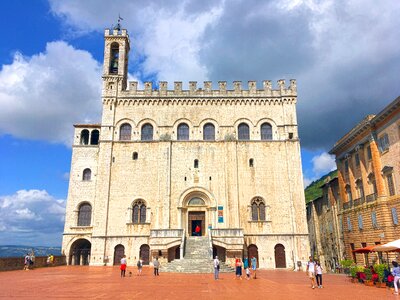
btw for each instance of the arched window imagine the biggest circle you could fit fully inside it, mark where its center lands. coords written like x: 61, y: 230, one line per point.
x: 125, y: 132
x: 114, y: 57
x: 94, y: 139
x: 139, y: 212
x: 183, y: 132
x: 257, y: 210
x: 147, y: 132
x: 135, y: 156
x: 266, y: 131
x: 244, y: 132
x: 209, y: 132
x: 348, y: 192
x: 84, y: 214
x: 87, y: 175
x: 196, y: 201
x: 85, y: 137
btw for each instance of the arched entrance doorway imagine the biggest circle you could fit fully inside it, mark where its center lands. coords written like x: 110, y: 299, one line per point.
x: 80, y: 252
x: 252, y: 250
x: 144, y: 254
x: 280, y: 256
x: 119, y: 252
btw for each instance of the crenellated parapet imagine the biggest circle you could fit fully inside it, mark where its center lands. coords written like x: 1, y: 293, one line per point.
x: 281, y: 90
x: 115, y: 33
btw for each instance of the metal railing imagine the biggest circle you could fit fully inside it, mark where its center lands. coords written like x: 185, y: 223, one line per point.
x: 371, y: 197
x: 358, y: 201
x: 348, y: 204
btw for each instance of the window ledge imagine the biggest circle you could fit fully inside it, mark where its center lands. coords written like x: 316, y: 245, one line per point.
x: 81, y: 227
x: 263, y: 221
x: 131, y: 223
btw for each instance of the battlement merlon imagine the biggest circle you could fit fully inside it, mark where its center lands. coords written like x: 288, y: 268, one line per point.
x: 207, y: 91
x: 116, y: 33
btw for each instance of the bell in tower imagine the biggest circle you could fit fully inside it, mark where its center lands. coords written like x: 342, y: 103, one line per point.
x: 114, y: 57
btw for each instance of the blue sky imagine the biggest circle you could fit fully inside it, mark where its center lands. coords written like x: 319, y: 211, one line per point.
x: 345, y: 56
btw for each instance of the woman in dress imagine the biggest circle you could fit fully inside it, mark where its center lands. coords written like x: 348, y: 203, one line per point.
x: 123, y: 266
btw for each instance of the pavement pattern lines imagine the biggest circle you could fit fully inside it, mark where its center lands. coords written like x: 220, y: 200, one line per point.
x: 84, y: 282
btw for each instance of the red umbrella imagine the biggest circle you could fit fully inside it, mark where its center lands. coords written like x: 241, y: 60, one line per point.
x: 367, y: 249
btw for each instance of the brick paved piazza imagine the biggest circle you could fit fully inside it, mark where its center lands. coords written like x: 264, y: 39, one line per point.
x: 75, y: 282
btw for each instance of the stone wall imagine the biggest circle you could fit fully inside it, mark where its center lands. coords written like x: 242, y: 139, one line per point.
x: 17, y: 263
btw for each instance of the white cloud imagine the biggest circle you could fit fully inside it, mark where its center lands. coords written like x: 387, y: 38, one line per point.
x: 44, y: 95
x: 323, y: 163
x: 31, y: 217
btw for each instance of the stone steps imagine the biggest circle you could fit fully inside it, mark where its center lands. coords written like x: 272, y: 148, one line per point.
x: 196, y: 260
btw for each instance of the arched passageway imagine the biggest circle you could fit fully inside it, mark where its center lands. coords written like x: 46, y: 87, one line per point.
x: 80, y: 252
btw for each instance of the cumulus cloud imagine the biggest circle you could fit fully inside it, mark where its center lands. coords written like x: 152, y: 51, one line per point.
x: 344, y: 54
x: 32, y: 217
x: 43, y: 95
x: 323, y: 163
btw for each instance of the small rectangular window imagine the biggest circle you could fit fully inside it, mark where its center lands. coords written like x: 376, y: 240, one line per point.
x: 346, y: 166
x: 349, y: 228
x: 390, y: 183
x: 374, y: 220
x: 383, y: 142
x: 360, y: 222
x: 357, y: 158
x: 369, y: 153
x: 394, y: 216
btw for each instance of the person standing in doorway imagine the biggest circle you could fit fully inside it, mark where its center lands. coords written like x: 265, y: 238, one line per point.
x: 254, y: 266
x: 123, y: 266
x: 156, y: 265
x: 311, y: 271
x: 197, y: 230
x: 216, y: 268
x: 318, y: 274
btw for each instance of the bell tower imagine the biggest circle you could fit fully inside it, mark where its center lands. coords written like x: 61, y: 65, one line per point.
x: 115, y: 66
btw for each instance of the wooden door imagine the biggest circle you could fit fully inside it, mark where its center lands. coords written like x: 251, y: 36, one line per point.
x: 252, y: 250
x: 119, y: 252
x: 280, y: 256
x: 144, y: 254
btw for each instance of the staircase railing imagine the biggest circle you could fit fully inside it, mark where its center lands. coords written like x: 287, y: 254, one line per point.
x: 210, y: 247
x: 182, y: 248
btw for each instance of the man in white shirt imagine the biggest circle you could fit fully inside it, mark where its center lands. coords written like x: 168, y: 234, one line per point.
x: 311, y: 271
x: 216, y: 268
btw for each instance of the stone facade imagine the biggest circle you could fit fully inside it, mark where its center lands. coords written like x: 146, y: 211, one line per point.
x: 368, y: 162
x: 165, y: 161
x: 324, y: 225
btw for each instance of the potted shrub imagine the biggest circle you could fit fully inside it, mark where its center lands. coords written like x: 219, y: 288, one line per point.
x: 346, y: 264
x: 360, y: 274
x: 380, y: 270
x: 353, y: 273
x: 368, y: 277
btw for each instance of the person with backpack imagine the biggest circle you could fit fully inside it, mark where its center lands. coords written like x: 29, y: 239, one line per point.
x: 139, y: 266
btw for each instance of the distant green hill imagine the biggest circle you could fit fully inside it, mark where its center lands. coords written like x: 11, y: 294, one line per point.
x: 314, y: 190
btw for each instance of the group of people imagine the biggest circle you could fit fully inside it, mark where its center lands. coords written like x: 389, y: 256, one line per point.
x: 139, y: 264
x: 238, y: 267
x: 314, y: 272
x: 29, y: 261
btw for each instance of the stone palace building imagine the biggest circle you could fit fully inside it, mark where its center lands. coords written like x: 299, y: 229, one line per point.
x: 163, y: 162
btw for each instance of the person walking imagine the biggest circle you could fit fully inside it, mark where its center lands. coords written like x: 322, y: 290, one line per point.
x: 123, y: 266
x: 27, y: 261
x: 396, y: 275
x: 253, y: 262
x: 156, y: 265
x: 32, y: 259
x: 311, y: 271
x: 318, y: 274
x: 216, y: 268
x: 139, y: 266
x: 238, y: 266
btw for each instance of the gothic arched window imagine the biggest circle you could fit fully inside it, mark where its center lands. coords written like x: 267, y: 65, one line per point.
x: 94, y: 137
x: 114, y: 57
x: 84, y: 214
x: 257, y: 209
x: 266, y: 131
x: 243, y: 132
x: 147, y: 132
x: 183, y: 132
x: 209, y: 132
x: 85, y: 137
x: 139, y: 212
x: 125, y: 132
x: 87, y: 175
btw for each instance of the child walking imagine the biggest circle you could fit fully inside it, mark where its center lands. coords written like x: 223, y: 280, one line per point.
x: 319, y: 275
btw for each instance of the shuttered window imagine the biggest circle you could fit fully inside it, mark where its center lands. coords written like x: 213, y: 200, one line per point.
x: 394, y: 216
x: 374, y: 220
x: 360, y: 222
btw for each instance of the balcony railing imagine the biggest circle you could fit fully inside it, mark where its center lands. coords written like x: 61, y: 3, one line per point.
x: 348, y: 204
x: 359, y: 201
x: 371, y: 197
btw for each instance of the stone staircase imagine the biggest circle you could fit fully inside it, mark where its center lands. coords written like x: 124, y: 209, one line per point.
x: 196, y: 260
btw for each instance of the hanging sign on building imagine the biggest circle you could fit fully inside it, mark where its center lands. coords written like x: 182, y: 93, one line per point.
x: 220, y: 214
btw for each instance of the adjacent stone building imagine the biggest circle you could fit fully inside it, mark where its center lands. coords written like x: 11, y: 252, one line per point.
x: 163, y: 162
x: 368, y: 162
